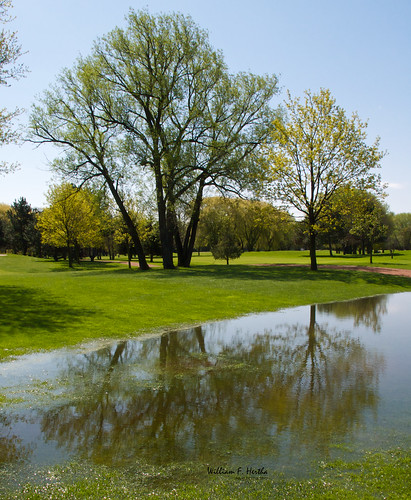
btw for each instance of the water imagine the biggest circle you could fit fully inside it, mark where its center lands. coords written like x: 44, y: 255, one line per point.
x: 277, y: 390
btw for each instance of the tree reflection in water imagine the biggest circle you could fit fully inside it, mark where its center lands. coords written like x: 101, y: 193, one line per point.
x: 168, y: 399
x: 11, y: 447
x: 367, y: 311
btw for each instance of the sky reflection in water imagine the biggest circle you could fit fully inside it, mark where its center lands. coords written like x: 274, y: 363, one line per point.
x: 276, y: 390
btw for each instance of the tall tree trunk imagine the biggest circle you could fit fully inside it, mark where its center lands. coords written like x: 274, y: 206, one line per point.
x: 70, y: 254
x: 313, y: 255
x: 130, y: 225
x: 163, y: 223
x: 187, y: 248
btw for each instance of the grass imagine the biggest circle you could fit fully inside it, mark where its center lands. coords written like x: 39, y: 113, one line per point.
x: 376, y: 475
x: 400, y: 260
x: 46, y: 305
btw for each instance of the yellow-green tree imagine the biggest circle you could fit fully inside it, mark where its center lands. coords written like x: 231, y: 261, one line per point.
x: 71, y: 220
x: 316, y: 151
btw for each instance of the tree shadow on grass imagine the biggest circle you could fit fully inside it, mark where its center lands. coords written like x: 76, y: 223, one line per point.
x: 34, y: 312
x: 286, y: 273
x: 244, y: 272
x: 62, y: 266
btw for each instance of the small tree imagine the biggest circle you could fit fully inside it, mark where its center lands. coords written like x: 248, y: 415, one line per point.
x: 315, y: 153
x: 218, y: 229
x: 227, y: 246
x: 22, y: 227
x: 70, y: 221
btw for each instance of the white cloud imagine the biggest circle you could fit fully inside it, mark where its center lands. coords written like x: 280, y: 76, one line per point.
x: 395, y: 185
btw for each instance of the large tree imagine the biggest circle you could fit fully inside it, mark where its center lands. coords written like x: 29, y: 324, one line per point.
x: 10, y: 52
x: 192, y: 124
x: 161, y: 89
x: 318, y: 150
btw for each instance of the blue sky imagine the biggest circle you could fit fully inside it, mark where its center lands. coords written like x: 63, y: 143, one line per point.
x: 359, y: 49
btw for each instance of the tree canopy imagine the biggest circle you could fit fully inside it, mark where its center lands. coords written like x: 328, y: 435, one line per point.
x: 156, y: 100
x: 316, y: 151
x: 70, y: 220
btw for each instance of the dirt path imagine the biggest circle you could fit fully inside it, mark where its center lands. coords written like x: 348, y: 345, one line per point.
x: 406, y: 273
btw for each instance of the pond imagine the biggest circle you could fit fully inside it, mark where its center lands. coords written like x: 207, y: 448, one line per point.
x: 272, y: 392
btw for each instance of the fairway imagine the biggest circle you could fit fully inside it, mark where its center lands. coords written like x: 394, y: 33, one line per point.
x: 46, y: 305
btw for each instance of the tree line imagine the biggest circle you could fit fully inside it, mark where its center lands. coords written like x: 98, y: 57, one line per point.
x: 154, y: 106
x: 81, y: 223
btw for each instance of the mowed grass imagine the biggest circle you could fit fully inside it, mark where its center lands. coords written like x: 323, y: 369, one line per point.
x: 400, y: 259
x: 46, y: 305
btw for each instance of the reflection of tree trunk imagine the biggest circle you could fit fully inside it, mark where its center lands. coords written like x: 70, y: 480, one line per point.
x: 200, y: 338
x: 117, y: 354
x: 311, y: 347
x: 163, y: 350
x: 104, y: 393
x: 312, y: 319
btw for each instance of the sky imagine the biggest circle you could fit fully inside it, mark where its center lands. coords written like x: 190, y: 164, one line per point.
x: 359, y: 49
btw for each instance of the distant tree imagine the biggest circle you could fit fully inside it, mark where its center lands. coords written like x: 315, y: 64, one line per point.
x: 10, y: 52
x: 22, y: 226
x: 401, y: 237
x: 258, y: 225
x: 71, y: 220
x: 261, y: 226
x: 227, y: 246
x: 316, y: 152
x: 218, y: 229
x: 369, y: 221
x: 4, y: 222
x: 336, y: 221
x: 150, y: 236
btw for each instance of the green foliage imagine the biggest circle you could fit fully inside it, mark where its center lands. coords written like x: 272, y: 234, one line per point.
x: 317, y: 151
x: 71, y: 219
x: 157, y: 98
x: 401, y: 237
x: 218, y: 229
x: 251, y: 225
x: 369, y: 220
x: 227, y: 246
x: 355, y: 218
x: 4, y: 222
x: 21, y: 232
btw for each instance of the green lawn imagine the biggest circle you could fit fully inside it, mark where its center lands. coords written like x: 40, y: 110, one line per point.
x: 400, y: 260
x: 47, y: 305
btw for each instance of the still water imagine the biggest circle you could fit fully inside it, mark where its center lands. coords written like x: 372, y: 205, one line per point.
x: 275, y: 390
